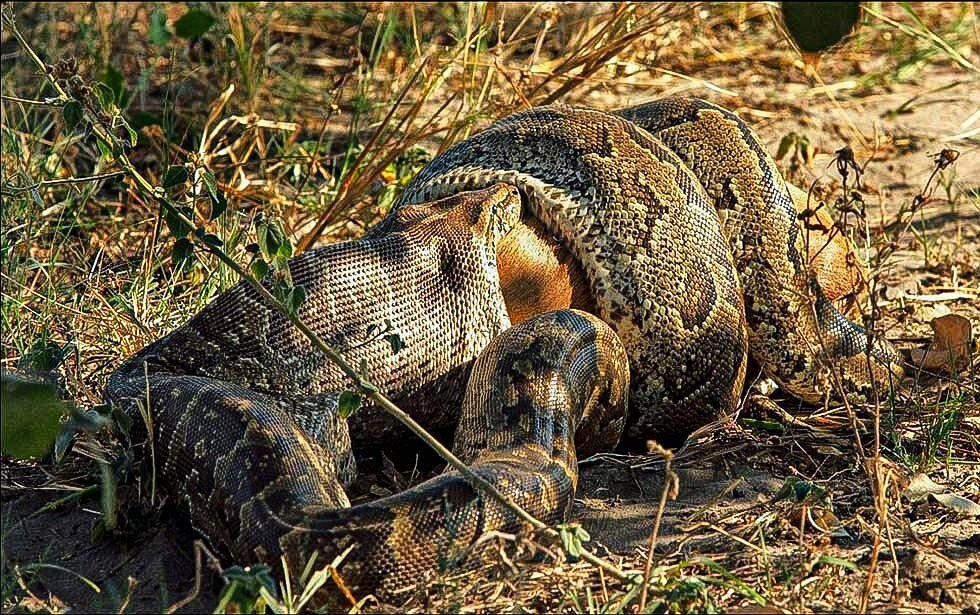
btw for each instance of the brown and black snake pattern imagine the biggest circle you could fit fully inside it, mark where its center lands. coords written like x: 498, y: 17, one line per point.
x: 691, y: 251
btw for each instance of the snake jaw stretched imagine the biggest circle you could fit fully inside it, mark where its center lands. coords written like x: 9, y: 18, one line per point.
x: 864, y: 366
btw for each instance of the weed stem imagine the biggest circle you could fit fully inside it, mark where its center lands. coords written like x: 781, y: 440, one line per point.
x: 363, y: 385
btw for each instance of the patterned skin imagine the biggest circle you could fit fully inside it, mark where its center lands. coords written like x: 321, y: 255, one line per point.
x: 668, y: 222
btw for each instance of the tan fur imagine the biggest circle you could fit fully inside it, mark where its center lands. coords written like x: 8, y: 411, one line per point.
x: 831, y: 256
x: 538, y: 275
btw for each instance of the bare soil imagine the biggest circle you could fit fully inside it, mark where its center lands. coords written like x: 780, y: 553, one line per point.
x: 729, y: 478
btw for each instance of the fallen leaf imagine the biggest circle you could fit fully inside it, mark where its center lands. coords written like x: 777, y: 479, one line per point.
x: 957, y: 503
x: 950, y: 346
x: 921, y: 486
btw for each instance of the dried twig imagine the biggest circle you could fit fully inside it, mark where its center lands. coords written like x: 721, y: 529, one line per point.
x: 362, y: 384
x: 669, y: 491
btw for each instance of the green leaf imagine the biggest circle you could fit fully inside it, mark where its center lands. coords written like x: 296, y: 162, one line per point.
x: 183, y: 254
x: 112, y: 78
x: 218, y: 205
x: 802, y: 492
x: 818, y: 26
x: 133, y: 135
x: 296, y: 297
x: 244, y: 588
x: 159, y: 33
x: 348, y: 403
x: 784, y: 144
x: 396, y: 343
x: 104, y: 149
x: 271, y: 237
x: 178, y: 228
x: 193, y: 23
x: 210, y: 182
x: 31, y: 416
x: 176, y: 174
x: 106, y: 95
x: 836, y: 561
x: 572, y: 537
x: 280, y: 287
x: 73, y: 115
x: 259, y: 268
x: 285, y: 248
x: 212, y: 240
x: 284, y: 252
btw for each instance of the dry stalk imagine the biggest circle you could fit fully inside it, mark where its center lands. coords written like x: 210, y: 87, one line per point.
x: 15, y: 190
x: 363, y: 385
x: 199, y: 550
x: 669, y: 491
x: 357, y: 168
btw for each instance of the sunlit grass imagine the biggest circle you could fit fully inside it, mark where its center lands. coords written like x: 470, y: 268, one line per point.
x: 318, y: 115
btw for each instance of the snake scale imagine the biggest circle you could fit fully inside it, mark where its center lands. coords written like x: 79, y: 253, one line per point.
x: 676, y: 236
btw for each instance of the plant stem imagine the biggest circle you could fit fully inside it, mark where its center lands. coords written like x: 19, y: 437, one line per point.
x: 364, y: 386
x: 15, y: 190
x: 669, y: 490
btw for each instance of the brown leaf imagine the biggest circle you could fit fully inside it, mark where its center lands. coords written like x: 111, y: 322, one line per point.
x: 950, y: 346
x: 832, y: 258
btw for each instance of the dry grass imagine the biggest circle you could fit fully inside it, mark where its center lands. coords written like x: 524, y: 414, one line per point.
x: 319, y: 115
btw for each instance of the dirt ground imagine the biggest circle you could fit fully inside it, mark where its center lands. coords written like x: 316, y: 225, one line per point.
x: 729, y: 478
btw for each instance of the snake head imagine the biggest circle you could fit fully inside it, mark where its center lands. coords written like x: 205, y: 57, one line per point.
x: 839, y: 359
x: 867, y: 366
x: 489, y: 213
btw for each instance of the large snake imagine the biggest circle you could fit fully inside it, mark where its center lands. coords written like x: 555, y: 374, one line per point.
x: 668, y: 222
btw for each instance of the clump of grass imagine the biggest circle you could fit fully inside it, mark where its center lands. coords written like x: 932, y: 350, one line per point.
x: 317, y: 116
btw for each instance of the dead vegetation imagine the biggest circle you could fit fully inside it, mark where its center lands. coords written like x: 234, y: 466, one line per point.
x: 317, y: 115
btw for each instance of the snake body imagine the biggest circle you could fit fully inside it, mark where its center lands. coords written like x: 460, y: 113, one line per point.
x: 686, y: 239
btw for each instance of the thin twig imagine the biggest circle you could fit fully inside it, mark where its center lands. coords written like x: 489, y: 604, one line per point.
x: 355, y: 168
x: 364, y: 386
x: 10, y: 190
x: 669, y: 490
x: 49, y: 102
x: 199, y: 550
